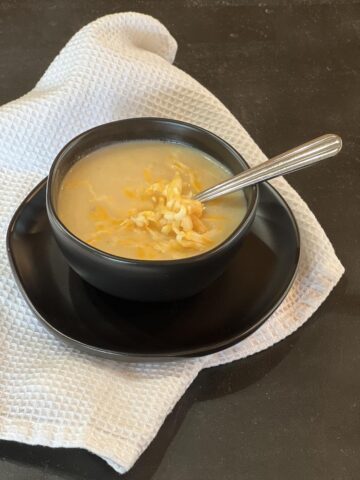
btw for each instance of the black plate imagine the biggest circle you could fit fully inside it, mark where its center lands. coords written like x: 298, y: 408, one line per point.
x: 225, y: 313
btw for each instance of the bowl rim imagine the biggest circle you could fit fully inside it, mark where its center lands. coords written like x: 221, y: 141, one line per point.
x: 217, y: 250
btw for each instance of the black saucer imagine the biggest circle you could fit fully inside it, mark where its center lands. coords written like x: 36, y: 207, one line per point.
x: 225, y: 313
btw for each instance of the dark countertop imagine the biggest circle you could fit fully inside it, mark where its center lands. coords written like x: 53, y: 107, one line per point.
x: 288, y: 73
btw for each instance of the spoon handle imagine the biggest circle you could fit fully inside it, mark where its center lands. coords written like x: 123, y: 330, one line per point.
x: 290, y: 161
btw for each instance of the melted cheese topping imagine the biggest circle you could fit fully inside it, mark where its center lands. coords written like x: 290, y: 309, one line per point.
x: 175, y: 219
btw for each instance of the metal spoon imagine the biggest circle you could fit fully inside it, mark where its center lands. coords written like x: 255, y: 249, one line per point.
x: 290, y: 161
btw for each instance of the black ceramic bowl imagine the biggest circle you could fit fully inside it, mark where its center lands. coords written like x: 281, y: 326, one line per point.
x: 146, y: 280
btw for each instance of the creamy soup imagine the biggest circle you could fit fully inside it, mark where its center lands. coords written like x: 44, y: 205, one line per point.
x: 134, y: 200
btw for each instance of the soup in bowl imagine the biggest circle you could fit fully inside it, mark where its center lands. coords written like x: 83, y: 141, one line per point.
x: 120, y: 201
x: 135, y: 200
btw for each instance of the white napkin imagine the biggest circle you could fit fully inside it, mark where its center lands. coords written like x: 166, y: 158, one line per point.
x: 50, y: 394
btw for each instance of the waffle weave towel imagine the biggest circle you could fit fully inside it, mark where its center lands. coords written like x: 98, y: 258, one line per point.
x: 50, y: 394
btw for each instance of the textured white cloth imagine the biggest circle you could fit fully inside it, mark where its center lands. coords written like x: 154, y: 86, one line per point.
x: 116, y: 67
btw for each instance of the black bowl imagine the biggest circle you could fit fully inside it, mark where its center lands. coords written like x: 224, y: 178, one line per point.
x: 146, y: 280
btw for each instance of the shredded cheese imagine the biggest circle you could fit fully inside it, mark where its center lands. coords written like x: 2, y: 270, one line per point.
x: 174, y: 221
x: 175, y: 214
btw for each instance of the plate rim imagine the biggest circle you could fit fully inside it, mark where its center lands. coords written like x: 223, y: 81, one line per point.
x: 145, y: 357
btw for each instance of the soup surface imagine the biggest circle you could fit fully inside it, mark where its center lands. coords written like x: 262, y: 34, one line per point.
x: 134, y: 200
